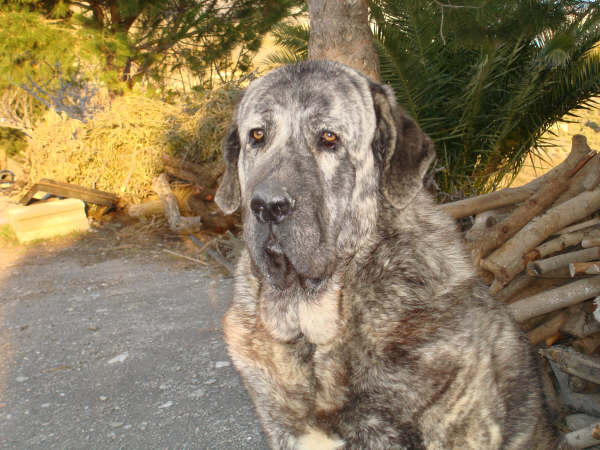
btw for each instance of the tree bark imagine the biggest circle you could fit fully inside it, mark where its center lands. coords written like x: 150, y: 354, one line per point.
x: 584, y: 438
x: 339, y: 31
x: 507, y: 261
x: 548, y: 328
x: 177, y: 222
x: 584, y: 268
x: 584, y: 180
x: 574, y: 363
x: 543, y: 266
x: 580, y: 323
x: 588, y: 345
x: 537, y: 203
x: 561, y: 243
x: 561, y: 297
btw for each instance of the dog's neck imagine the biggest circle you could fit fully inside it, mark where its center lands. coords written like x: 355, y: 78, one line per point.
x: 314, y: 315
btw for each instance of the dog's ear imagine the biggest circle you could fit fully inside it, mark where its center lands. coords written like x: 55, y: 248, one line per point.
x: 229, y: 193
x: 402, y: 150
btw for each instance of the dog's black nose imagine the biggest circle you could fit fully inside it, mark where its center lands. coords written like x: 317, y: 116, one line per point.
x: 271, y: 206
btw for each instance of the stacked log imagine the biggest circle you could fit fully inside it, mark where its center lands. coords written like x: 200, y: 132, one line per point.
x: 538, y: 249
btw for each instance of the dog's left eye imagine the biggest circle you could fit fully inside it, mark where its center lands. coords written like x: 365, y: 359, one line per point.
x: 328, y: 138
x: 257, y: 135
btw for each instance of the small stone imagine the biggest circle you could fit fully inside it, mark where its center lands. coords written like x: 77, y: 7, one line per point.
x: 163, y: 386
x: 166, y: 405
x: 103, y: 398
x: 197, y: 394
x: 221, y: 364
x: 45, y: 405
x: 127, y: 427
x: 143, y: 426
x: 116, y: 424
x: 21, y: 379
x: 119, y: 358
x: 211, y: 381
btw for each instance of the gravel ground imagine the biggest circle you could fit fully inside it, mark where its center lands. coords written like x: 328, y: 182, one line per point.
x: 108, y: 344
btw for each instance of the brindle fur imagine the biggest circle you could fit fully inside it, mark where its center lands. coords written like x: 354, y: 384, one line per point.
x: 358, y: 321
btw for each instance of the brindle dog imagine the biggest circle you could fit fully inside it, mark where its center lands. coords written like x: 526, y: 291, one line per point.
x: 358, y: 321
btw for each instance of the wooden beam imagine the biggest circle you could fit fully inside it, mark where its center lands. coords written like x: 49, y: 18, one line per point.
x: 67, y: 190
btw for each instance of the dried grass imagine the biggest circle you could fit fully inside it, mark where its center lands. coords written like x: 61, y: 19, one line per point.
x: 120, y: 149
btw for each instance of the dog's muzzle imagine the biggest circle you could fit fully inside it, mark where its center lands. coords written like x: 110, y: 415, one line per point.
x: 271, y: 204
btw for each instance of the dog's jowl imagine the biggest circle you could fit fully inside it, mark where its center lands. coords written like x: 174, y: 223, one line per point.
x: 357, y: 320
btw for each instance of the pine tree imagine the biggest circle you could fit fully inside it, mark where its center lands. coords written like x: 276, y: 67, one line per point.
x: 143, y: 38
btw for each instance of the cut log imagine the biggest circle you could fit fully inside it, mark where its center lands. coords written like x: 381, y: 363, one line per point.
x: 584, y: 268
x: 585, y: 180
x: 573, y: 362
x: 552, y: 300
x: 590, y: 242
x: 509, y: 196
x: 536, y: 286
x: 560, y: 243
x: 512, y: 289
x: 205, y: 174
x: 548, y: 329
x: 580, y: 226
x: 493, y: 200
x: 537, y: 203
x: 584, y: 438
x: 177, y: 222
x: 588, y: 345
x: 580, y: 322
x: 543, y: 266
x: 582, y: 386
x: 182, y: 174
x: 147, y: 208
x: 507, y: 261
x: 587, y: 403
x: 577, y: 421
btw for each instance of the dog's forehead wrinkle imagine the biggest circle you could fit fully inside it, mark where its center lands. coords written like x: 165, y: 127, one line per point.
x: 339, y: 99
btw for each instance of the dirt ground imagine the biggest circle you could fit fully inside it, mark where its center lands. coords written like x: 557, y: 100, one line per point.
x: 110, y: 340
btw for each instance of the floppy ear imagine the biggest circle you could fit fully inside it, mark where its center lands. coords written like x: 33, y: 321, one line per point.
x: 228, y: 194
x: 403, y: 151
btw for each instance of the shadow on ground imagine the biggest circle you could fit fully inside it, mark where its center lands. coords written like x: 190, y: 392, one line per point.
x: 109, y: 341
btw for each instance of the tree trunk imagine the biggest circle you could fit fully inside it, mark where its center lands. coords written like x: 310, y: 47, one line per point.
x: 339, y: 31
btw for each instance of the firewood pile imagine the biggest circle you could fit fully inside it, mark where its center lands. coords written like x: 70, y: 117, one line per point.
x: 185, y: 193
x: 538, y: 249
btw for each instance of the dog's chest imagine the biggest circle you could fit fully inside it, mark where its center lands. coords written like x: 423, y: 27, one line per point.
x: 331, y: 378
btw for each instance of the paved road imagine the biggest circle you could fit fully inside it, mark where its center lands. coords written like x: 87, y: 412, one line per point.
x: 121, y: 351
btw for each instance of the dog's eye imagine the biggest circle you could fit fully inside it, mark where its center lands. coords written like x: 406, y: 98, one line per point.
x: 328, y: 138
x: 257, y: 135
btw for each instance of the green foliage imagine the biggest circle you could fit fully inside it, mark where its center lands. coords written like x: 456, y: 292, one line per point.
x: 143, y: 39
x: 8, y: 238
x: 12, y: 141
x: 487, y: 79
x: 31, y: 48
x: 292, y: 40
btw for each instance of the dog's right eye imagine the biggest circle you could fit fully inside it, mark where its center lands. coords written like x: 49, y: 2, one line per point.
x: 257, y: 135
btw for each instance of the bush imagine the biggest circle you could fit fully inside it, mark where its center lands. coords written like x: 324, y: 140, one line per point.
x: 120, y: 149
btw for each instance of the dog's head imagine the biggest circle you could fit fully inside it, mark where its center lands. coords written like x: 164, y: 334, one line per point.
x: 312, y: 151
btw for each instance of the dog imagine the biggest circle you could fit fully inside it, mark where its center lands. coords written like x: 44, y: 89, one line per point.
x: 358, y: 321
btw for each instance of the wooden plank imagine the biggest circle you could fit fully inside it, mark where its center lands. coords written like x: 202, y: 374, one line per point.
x: 68, y: 190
